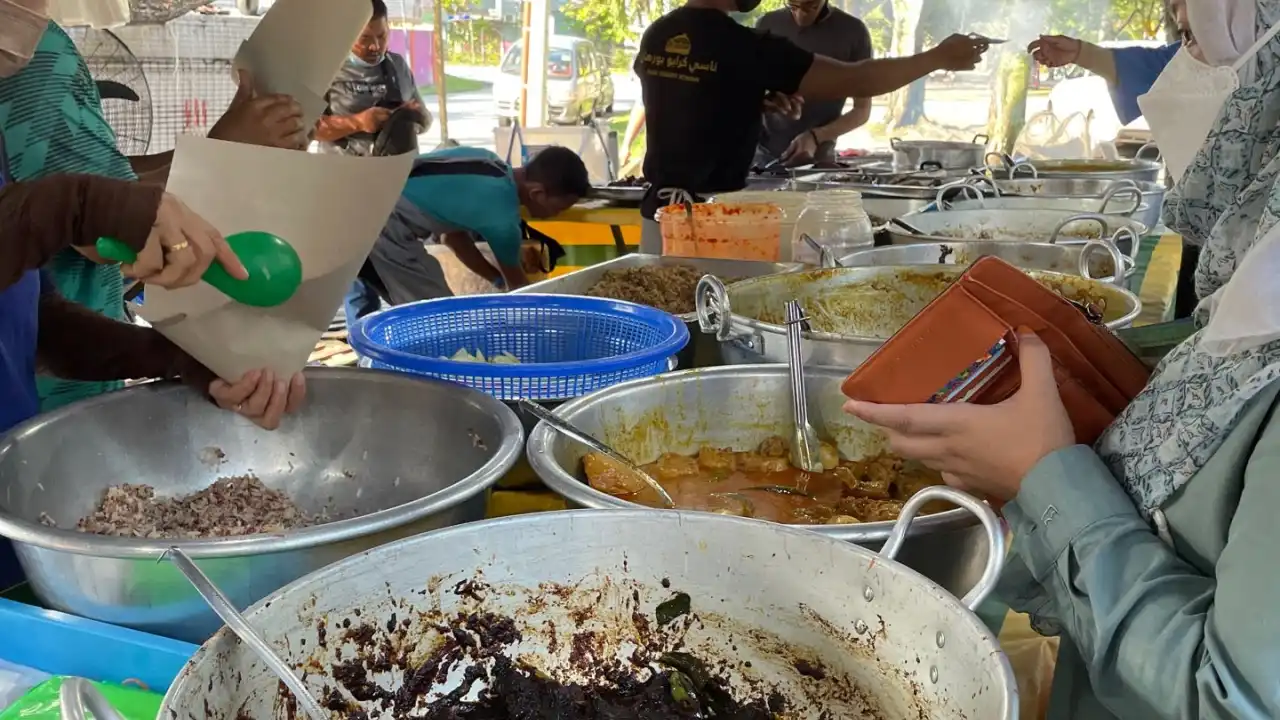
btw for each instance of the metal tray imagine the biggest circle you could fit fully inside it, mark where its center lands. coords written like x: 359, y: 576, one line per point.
x: 703, y: 350
x: 619, y: 193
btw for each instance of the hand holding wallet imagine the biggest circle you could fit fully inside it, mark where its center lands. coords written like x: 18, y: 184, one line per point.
x: 963, y: 348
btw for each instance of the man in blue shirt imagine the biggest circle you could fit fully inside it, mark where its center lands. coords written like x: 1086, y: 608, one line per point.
x: 459, y: 196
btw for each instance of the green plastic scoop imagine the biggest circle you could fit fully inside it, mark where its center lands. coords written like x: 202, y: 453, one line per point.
x: 275, y: 271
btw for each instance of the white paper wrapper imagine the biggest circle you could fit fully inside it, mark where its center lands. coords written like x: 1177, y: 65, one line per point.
x: 329, y: 207
x: 298, y: 47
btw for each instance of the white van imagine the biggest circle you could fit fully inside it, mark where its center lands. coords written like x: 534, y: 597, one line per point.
x: 575, y: 85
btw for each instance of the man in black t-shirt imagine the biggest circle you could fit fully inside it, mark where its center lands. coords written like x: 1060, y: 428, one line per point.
x: 819, y: 28
x: 704, y: 79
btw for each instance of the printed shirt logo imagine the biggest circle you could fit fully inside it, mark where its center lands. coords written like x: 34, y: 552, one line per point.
x: 679, y: 45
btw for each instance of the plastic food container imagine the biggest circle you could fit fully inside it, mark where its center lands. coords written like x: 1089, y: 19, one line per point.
x: 791, y: 203
x: 835, y: 219
x: 726, y: 231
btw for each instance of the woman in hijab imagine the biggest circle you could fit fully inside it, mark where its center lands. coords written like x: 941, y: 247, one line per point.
x: 1150, y: 554
x: 1216, y: 125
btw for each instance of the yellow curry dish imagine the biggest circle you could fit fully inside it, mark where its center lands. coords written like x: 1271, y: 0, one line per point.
x: 762, y: 483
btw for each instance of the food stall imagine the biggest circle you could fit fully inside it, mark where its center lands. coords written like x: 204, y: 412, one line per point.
x: 426, y: 438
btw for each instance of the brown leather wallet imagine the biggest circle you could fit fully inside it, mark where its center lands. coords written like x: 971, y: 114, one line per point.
x: 963, y: 348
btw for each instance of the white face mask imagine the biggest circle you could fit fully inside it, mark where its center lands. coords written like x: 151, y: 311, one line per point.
x: 21, y: 27
x: 1185, y: 100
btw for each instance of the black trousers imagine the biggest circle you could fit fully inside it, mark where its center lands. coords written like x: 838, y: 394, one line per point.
x: 1185, y: 301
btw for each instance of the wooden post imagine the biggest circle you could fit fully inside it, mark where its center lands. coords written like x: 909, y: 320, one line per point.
x: 526, y: 19
x: 442, y: 117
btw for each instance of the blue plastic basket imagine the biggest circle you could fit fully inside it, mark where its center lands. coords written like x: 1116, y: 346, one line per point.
x: 567, y: 345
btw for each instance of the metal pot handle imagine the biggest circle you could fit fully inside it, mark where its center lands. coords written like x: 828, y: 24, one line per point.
x: 1013, y: 171
x: 966, y: 191
x: 1144, y: 148
x: 990, y: 524
x: 1002, y: 160
x: 1117, y: 190
x: 1134, y: 242
x: 893, y: 143
x: 930, y: 166
x: 981, y: 139
x: 977, y: 180
x: 77, y: 695
x: 1118, y: 260
x: 711, y: 300
x: 1100, y: 219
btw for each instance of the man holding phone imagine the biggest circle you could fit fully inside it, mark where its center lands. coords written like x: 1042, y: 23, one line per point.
x: 374, y: 107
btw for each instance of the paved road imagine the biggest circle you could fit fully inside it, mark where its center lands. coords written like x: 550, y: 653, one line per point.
x: 471, y: 117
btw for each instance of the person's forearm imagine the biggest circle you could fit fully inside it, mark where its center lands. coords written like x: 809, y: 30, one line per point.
x: 75, y: 343
x: 1124, y: 596
x: 41, y: 217
x: 846, y: 123
x: 464, y: 248
x: 331, y: 128
x: 1097, y: 60
x: 829, y: 79
x: 634, y: 124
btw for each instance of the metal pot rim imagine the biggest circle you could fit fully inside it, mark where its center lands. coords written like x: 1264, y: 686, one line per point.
x: 740, y: 321
x: 37, y: 535
x: 542, y: 438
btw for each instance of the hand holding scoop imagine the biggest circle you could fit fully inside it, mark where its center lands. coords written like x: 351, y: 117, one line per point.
x: 275, y: 271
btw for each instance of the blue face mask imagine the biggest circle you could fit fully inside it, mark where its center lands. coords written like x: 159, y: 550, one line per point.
x: 357, y: 61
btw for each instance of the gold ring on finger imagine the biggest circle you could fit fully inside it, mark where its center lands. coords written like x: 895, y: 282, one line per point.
x: 180, y: 246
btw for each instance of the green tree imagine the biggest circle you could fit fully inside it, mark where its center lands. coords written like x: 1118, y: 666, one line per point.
x: 906, y: 106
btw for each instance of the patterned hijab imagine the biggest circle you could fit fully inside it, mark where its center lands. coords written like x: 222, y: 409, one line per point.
x: 1228, y: 200
x: 1220, y: 200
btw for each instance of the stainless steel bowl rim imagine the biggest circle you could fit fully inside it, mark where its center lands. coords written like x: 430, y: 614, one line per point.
x: 577, y: 491
x: 71, y: 541
x: 739, y: 321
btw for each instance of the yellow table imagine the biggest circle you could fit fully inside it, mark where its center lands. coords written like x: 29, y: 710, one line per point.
x: 592, y: 232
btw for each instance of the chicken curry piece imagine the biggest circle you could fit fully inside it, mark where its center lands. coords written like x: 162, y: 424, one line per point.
x: 763, y: 484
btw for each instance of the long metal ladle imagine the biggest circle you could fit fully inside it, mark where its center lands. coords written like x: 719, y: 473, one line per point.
x: 241, y: 627
x: 564, y: 428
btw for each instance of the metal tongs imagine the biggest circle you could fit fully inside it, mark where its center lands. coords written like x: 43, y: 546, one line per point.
x: 311, y: 707
x: 804, y: 439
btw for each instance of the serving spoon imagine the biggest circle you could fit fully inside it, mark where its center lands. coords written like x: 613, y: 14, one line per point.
x: 568, y: 430
x: 241, y: 627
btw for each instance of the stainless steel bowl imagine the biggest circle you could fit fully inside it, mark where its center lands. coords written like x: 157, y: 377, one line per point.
x: 581, y: 589
x: 866, y: 304
x: 387, y: 455
x: 738, y: 407
x: 1096, y: 260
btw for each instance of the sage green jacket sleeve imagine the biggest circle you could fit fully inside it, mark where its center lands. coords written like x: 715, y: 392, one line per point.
x: 1160, y: 639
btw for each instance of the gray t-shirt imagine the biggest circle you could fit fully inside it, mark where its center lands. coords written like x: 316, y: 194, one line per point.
x: 836, y: 34
x: 357, y: 88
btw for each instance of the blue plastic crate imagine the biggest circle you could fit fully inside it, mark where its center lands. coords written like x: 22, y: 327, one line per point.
x: 61, y: 644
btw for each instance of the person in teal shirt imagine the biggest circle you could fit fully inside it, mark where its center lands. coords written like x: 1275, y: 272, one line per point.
x: 51, y: 113
x: 458, y: 196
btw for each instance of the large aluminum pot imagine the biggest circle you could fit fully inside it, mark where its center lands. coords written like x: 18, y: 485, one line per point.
x: 1123, y: 200
x: 386, y: 455
x: 1137, y: 169
x: 854, y: 309
x: 581, y: 589
x: 702, y: 350
x: 738, y: 407
x: 1096, y: 259
x: 1060, y: 227
x: 944, y: 155
x: 1096, y: 189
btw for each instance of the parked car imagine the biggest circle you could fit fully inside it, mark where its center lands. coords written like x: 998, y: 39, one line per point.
x: 573, y: 82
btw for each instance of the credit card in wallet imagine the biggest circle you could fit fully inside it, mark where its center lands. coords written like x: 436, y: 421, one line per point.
x: 976, y: 376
